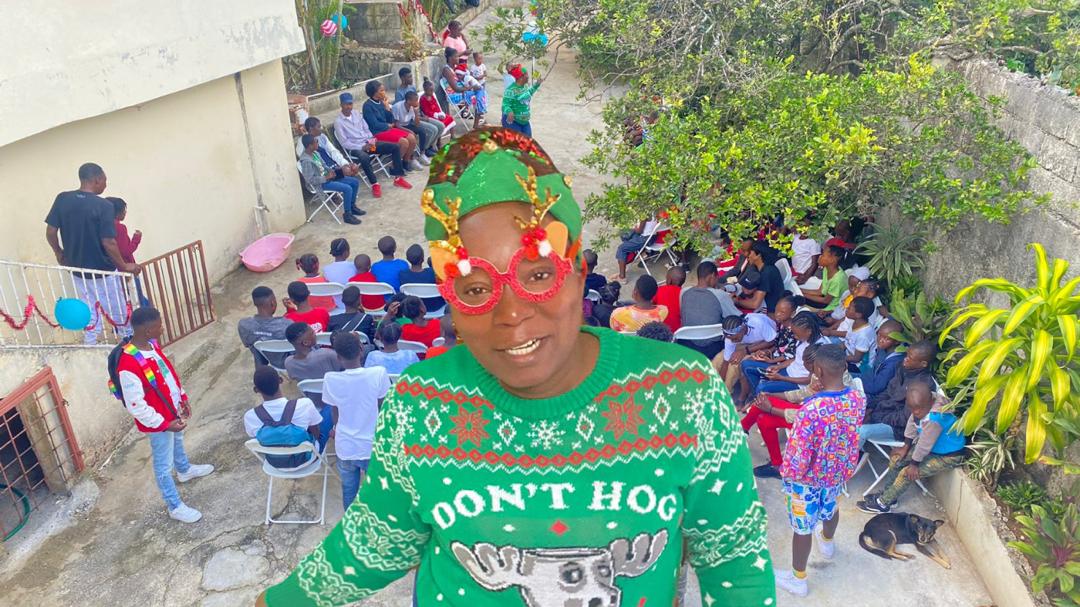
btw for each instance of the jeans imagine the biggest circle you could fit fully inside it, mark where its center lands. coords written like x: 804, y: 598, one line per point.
x: 351, y: 471
x: 110, y: 293
x: 631, y: 243
x: 348, y: 186
x: 167, y: 452
x: 427, y: 133
x: 756, y: 376
x: 896, y: 483
x: 326, y: 426
x: 875, y: 432
x: 524, y: 129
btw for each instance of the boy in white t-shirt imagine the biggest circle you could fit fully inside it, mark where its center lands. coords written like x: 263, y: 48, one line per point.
x: 804, y: 255
x: 268, y: 385
x: 861, y: 337
x: 356, y: 395
x: 478, y: 70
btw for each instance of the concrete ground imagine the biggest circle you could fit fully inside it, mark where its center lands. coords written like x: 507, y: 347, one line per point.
x: 122, y: 549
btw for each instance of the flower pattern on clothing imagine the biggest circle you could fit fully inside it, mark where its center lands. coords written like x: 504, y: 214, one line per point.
x: 823, y: 445
x: 786, y: 342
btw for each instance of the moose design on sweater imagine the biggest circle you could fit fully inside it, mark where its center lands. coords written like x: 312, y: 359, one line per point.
x: 592, y: 498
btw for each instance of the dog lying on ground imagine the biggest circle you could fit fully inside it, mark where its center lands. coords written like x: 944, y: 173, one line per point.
x: 884, y: 532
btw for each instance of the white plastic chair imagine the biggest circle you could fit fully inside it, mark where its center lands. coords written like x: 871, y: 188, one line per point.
x: 309, y: 468
x: 593, y: 295
x: 438, y: 341
x: 787, y: 276
x: 373, y: 288
x: 310, y: 386
x: 425, y: 291
x: 699, y: 332
x: 414, y: 346
x: 331, y: 202
x: 328, y: 289
x: 274, y: 346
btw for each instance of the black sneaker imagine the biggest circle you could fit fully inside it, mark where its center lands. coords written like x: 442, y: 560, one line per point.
x: 352, y: 219
x: 359, y: 212
x: 766, y: 471
x: 873, y: 504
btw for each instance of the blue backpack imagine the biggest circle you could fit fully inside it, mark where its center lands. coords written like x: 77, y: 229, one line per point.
x: 282, y: 433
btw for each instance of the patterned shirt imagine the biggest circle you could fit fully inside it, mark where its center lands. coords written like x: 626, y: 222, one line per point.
x: 632, y: 318
x: 500, y: 500
x: 516, y: 99
x: 823, y: 445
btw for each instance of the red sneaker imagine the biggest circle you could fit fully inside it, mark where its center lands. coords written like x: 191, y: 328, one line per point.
x: 401, y: 183
x: 376, y: 190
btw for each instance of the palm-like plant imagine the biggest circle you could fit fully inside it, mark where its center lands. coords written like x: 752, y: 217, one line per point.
x: 921, y: 317
x: 894, y: 253
x: 1025, y: 357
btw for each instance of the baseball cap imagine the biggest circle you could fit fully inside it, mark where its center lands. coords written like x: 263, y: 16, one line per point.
x: 346, y: 97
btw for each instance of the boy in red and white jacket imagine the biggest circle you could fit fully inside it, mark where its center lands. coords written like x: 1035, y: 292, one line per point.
x: 151, y: 391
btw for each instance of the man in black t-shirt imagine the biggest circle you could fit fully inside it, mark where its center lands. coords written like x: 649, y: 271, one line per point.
x: 82, y: 233
x: 770, y: 285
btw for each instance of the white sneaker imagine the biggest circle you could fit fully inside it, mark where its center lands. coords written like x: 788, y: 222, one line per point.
x: 185, y: 514
x: 827, y: 549
x: 786, y: 579
x: 195, y: 471
x: 424, y: 160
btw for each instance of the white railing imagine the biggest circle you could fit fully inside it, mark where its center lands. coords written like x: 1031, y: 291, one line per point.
x: 35, y: 289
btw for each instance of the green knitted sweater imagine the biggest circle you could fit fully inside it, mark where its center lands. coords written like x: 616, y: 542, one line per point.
x: 589, y: 498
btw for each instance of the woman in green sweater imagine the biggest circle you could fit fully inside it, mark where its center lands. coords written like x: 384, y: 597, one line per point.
x: 544, y: 463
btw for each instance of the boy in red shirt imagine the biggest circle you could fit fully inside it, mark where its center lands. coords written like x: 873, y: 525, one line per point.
x: 144, y: 379
x: 670, y: 294
x: 363, y: 274
x: 300, y: 309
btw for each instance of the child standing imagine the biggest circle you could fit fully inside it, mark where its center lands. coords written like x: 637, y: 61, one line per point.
x: 127, y: 244
x: 821, y: 455
x: 355, y: 395
x: 517, y: 100
x: 478, y: 69
x: 308, y: 263
x: 931, y: 446
x: 145, y: 380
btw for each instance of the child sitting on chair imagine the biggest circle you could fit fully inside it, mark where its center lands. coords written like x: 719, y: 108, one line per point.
x: 932, y: 445
x: 429, y: 106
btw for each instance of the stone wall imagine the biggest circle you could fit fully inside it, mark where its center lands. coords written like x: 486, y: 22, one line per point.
x: 1046, y: 121
x: 378, y: 23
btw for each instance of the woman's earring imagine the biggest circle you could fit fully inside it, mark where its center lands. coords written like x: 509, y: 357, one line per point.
x: 460, y: 339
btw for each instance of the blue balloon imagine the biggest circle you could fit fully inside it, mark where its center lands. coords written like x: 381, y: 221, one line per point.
x: 528, y: 36
x: 72, y: 314
x: 543, y: 39
x: 342, y: 21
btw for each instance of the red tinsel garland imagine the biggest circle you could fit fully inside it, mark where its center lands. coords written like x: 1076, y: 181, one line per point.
x: 32, y: 308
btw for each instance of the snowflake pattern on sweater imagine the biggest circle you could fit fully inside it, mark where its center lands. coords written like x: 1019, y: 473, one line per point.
x: 590, y: 496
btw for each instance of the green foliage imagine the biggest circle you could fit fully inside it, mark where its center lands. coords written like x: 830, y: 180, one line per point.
x: 991, y: 454
x: 894, y: 253
x: 921, y: 317
x: 1025, y: 357
x: 1053, y: 545
x: 1022, y: 495
x: 323, y: 53
x: 504, y: 36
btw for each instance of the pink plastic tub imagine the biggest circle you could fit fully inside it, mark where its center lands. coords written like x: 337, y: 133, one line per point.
x: 267, y: 253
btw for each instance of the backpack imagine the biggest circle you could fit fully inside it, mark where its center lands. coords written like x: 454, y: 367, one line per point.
x: 282, y: 433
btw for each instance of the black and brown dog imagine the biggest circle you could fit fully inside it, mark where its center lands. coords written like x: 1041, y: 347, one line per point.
x: 883, y: 533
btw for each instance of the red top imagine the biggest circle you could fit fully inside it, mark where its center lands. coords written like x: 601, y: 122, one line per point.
x: 669, y: 295
x: 318, y: 318
x: 125, y: 243
x: 369, y: 302
x: 319, y: 301
x: 435, y: 351
x: 430, y: 105
x: 128, y: 363
x: 424, y: 335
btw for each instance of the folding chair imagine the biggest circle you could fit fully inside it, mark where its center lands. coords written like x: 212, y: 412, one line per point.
x: 331, y: 202
x: 377, y: 162
x: 329, y: 289
x: 699, y: 332
x: 460, y: 112
x: 425, y: 291
x: 414, y: 346
x: 373, y: 288
x: 309, y: 468
x: 274, y: 346
x: 655, y: 247
x: 882, y: 447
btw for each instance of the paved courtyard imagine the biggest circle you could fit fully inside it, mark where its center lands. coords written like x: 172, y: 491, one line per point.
x: 118, y: 547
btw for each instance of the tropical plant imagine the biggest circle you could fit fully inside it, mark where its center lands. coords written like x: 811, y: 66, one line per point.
x: 323, y: 52
x: 991, y: 454
x: 1053, y: 545
x: 1025, y: 356
x: 921, y: 317
x: 1022, y: 495
x: 895, y: 253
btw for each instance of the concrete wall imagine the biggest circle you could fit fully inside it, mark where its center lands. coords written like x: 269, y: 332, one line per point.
x: 97, y: 419
x: 191, y: 165
x: 66, y: 60
x: 1046, y: 121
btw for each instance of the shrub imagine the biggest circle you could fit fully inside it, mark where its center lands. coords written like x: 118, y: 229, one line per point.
x: 1021, y: 496
x: 895, y: 253
x: 1053, y: 545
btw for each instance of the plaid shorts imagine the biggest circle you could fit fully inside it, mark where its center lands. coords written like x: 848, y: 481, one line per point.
x: 808, y: 506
